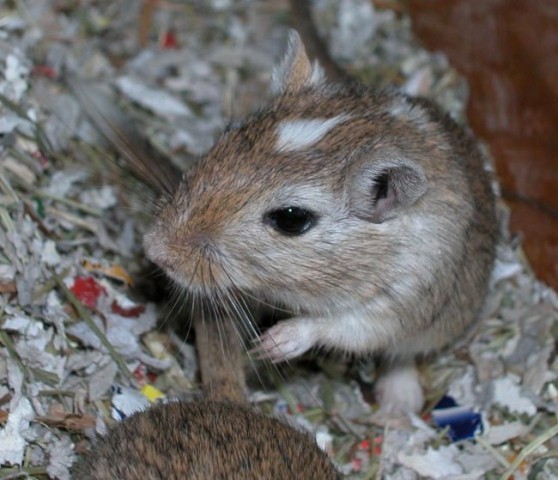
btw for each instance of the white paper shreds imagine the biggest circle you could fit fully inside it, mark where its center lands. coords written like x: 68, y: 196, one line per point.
x: 158, y: 101
x: 438, y: 464
x: 64, y: 208
x: 502, y: 433
x: 508, y: 394
x: 61, y: 458
x: 15, y: 78
x: 12, y: 442
x: 49, y: 254
x: 126, y: 402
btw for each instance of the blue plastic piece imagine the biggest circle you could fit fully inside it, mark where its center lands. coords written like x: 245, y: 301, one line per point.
x: 463, y: 422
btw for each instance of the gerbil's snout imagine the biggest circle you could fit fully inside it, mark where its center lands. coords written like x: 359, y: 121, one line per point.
x: 156, y: 248
x: 188, y: 255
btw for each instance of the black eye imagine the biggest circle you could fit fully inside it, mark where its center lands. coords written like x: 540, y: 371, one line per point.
x: 290, y: 220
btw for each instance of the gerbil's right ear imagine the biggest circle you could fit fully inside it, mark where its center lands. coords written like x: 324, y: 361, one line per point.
x: 295, y: 71
x: 380, y: 190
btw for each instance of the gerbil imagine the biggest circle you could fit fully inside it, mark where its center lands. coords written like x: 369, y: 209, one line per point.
x: 204, y: 440
x: 366, y: 213
x: 211, y: 438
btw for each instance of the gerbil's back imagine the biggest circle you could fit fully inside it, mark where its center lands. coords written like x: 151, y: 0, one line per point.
x: 200, y: 441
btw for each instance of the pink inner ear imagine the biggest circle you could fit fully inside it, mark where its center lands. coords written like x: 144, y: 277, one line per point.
x: 384, y: 197
x: 386, y: 203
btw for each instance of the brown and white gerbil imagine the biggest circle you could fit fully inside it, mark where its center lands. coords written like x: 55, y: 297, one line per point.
x: 366, y: 213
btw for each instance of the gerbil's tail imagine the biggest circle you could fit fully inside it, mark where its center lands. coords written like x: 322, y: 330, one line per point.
x: 220, y: 355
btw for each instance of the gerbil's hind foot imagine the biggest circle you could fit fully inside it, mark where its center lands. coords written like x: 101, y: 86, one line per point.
x: 398, y: 393
x: 285, y: 340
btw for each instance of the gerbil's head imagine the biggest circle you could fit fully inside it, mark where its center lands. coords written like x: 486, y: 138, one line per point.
x: 291, y: 202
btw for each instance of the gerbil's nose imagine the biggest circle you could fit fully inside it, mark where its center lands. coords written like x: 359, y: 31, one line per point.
x: 162, y: 262
x: 156, y: 250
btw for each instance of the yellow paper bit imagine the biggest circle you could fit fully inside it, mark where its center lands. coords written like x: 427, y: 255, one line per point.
x: 151, y: 393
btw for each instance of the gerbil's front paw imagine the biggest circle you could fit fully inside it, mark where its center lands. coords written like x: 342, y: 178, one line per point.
x: 285, y: 340
x: 398, y: 392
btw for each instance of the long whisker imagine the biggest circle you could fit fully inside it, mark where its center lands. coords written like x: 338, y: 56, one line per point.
x: 253, y: 297
x: 176, y: 296
x: 132, y: 146
x: 241, y: 316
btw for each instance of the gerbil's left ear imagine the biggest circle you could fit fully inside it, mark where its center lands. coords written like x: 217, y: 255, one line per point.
x: 381, y: 190
x: 295, y: 71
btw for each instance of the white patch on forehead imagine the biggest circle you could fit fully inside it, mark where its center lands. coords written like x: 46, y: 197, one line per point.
x: 295, y: 135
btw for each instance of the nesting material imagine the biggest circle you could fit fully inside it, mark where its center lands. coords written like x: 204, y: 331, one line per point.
x: 78, y: 353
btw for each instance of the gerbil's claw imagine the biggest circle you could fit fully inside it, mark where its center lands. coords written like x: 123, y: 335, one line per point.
x: 261, y: 352
x: 282, y: 342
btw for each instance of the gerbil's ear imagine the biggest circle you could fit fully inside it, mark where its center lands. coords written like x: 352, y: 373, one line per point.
x: 382, y: 189
x: 295, y: 71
